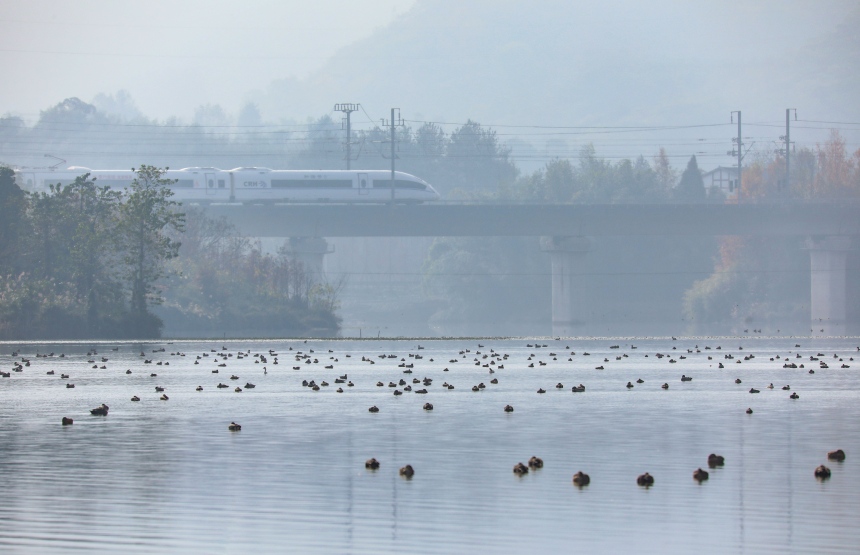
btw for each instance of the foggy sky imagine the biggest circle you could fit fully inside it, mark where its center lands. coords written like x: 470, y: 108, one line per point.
x: 554, y: 62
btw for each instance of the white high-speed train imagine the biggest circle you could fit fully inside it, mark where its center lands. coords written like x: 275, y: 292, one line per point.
x: 254, y: 185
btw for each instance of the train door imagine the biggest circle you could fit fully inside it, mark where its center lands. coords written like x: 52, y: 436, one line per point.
x: 210, y: 184
x: 363, y: 184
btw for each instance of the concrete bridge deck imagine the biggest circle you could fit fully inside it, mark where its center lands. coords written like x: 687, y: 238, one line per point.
x: 477, y: 220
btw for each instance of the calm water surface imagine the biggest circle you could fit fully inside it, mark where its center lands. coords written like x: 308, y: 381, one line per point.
x: 168, y: 476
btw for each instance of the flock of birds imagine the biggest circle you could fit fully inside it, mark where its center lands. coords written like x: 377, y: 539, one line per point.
x: 491, y: 361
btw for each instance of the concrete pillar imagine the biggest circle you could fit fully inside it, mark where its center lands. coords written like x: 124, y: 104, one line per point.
x: 829, y: 303
x: 310, y: 251
x: 567, y: 256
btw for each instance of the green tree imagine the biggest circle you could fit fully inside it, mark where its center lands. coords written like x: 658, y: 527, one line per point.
x: 94, y: 249
x: 691, y: 188
x: 147, y: 216
x: 13, y: 205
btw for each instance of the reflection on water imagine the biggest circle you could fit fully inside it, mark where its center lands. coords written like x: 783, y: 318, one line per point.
x: 167, y: 475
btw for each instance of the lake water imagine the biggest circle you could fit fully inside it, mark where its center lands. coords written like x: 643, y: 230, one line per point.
x: 167, y: 476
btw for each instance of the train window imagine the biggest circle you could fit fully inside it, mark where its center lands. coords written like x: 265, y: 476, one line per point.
x: 221, y: 184
x: 398, y: 184
x: 363, y: 183
x: 211, y: 183
x: 311, y: 183
x: 184, y: 184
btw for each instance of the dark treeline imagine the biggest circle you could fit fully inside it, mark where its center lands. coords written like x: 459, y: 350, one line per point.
x: 696, y: 283
x: 83, y: 261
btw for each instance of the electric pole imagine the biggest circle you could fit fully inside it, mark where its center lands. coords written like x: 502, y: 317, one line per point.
x: 396, y: 120
x: 738, y: 150
x: 347, y: 109
x: 788, y: 144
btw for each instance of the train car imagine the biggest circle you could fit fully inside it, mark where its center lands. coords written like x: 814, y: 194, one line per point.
x: 256, y: 185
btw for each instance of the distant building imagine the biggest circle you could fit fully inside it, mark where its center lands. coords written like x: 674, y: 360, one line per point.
x: 722, y: 179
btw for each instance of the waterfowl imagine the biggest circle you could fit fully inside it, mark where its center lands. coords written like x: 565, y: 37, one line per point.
x: 50, y: 372
x: 785, y: 388
x: 135, y: 398
x: 164, y: 397
x: 715, y: 460
x: 645, y: 480
x: 640, y: 380
x: 67, y: 421
x: 749, y: 411
x: 581, y: 479
x: 371, y: 464
x: 398, y: 392
x: 559, y: 386
x: 685, y: 378
x: 233, y: 427
x: 70, y: 386
x: 539, y: 390
x: 101, y: 410
x: 373, y: 409
x: 794, y: 395
x: 578, y: 388
x: 665, y: 386
x: 221, y: 385
x: 770, y: 386
x: 407, y: 471
x: 700, y: 475
x: 629, y: 385
x: 535, y: 462
x: 838, y: 455
x: 520, y: 469
x: 822, y: 472
x: 754, y: 390
x: 428, y: 406
x: 738, y: 380
x: 158, y: 389
x: 128, y: 371
x: 249, y: 385
x: 508, y: 408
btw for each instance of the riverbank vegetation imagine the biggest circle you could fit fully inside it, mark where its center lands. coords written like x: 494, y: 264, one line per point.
x: 84, y: 261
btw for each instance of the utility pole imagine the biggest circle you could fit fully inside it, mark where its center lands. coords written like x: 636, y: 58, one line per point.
x: 787, y: 139
x: 347, y: 109
x: 395, y: 121
x: 738, y: 150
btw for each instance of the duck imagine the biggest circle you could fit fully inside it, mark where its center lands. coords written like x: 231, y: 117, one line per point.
x: 70, y: 386
x: 738, y: 380
x: 407, y: 471
x: 578, y: 388
x: 541, y: 390
x: 629, y: 385
x: 237, y: 390
x: 640, y: 380
x: 135, y: 398
x: 665, y: 386
x: 199, y: 388
x: 559, y: 386
x: 535, y: 462
x: 715, y: 460
x: 249, y: 385
x: 520, y: 469
x: 373, y: 409
x: 645, y: 480
x: 822, y: 472
x: 770, y: 386
x: 749, y: 411
x: 67, y: 421
x: 509, y: 408
x: 164, y: 397
x: 754, y: 390
x: 794, y: 395
x: 101, y: 410
x: 685, y: 378
x: 581, y: 479
x: 428, y: 406
x: 158, y: 389
x: 700, y: 475
x: 233, y: 427
x: 838, y: 455
x: 222, y: 385
x: 371, y: 464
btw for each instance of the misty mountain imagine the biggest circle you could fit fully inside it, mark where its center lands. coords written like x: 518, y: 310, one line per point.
x: 593, y: 63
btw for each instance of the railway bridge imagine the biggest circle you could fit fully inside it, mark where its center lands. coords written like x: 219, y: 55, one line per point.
x: 830, y: 231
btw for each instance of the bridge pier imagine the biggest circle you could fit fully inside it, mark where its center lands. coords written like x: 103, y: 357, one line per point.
x: 829, y: 302
x: 310, y: 251
x: 567, y: 256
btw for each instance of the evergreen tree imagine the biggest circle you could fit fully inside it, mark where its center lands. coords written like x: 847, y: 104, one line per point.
x: 691, y: 188
x: 13, y: 204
